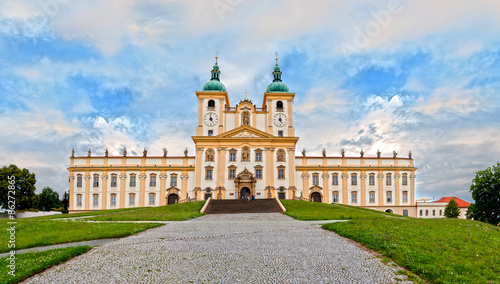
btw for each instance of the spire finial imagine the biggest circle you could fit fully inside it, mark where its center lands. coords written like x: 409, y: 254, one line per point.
x: 276, y: 53
x: 246, y: 94
x: 216, y: 56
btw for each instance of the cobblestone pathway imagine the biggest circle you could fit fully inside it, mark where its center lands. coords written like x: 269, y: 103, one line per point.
x: 237, y: 248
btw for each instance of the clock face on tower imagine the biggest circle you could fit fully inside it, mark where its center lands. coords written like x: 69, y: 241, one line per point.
x: 279, y: 119
x: 210, y: 119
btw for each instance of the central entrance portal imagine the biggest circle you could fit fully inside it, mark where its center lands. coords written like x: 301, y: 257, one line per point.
x: 245, y: 193
x: 245, y: 184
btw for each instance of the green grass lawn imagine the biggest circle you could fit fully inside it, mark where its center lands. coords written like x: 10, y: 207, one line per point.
x: 33, y: 232
x: 308, y: 211
x: 89, y: 213
x: 175, y: 212
x: 27, y: 264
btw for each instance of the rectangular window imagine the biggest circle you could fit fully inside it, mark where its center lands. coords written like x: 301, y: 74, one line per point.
x: 354, y: 180
x: 151, y: 199
x: 258, y: 173
x: 372, y: 179
x: 152, y: 181
x: 405, y: 196
x: 405, y: 180
x: 440, y: 212
x: 79, y: 181
x: 113, y: 200
x: 96, y: 181
x: 426, y: 212
x: 132, y: 181
x: 388, y: 180
x: 209, y: 174
x: 354, y: 197
x: 372, y: 197
x: 258, y: 157
x: 315, y: 180
x: 78, y: 200
x: 421, y: 213
x: 173, y: 180
x: 405, y: 212
x: 335, y: 180
x: 132, y: 200
x: 232, y: 157
x: 113, y: 181
x: 281, y: 174
x: 232, y: 174
x: 96, y: 200
x: 335, y: 197
x: 389, y: 196
x: 210, y: 133
x: 280, y: 133
x: 433, y: 212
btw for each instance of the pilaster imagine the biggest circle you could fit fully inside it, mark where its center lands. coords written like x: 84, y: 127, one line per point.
x: 104, y: 186
x: 163, y: 185
x: 142, y: 188
x: 87, y: 190
x: 123, y: 183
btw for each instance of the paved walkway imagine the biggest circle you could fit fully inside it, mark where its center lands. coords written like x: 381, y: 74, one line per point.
x: 235, y: 248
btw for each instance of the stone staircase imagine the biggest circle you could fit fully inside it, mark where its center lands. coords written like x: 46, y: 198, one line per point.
x: 243, y: 206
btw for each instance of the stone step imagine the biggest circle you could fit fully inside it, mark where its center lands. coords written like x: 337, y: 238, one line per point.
x: 243, y: 206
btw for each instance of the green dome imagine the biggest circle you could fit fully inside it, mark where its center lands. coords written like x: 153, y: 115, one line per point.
x: 214, y: 86
x: 278, y: 87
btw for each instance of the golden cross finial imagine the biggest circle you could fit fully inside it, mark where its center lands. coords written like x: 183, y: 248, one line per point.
x: 216, y: 56
x: 276, y: 53
x: 246, y: 94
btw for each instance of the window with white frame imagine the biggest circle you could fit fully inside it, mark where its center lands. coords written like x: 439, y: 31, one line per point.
x: 258, y: 156
x: 405, y: 179
x: 281, y: 173
x: 405, y: 212
x: 335, y: 196
x: 151, y: 199
x: 79, y: 200
x: 132, y: 199
x: 152, y: 180
x: 315, y: 179
x: 258, y: 173
x: 208, y: 174
x: 371, y: 179
x: 354, y: 197
x: 232, y: 174
x: 232, y: 157
x: 405, y: 196
x: 96, y: 199
x: 335, y: 179
x: 113, y: 180
x: 79, y: 180
x: 372, y: 196
x: 132, y: 180
x: 173, y: 180
x: 354, y: 179
x: 388, y: 179
x: 389, y: 196
x: 96, y: 180
x: 113, y: 200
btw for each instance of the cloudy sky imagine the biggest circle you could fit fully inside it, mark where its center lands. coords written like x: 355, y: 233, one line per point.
x: 402, y: 75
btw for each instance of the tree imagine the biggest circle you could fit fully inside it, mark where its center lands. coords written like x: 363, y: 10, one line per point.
x: 451, y: 210
x: 48, y: 199
x: 485, y: 190
x: 65, y: 200
x: 24, y: 187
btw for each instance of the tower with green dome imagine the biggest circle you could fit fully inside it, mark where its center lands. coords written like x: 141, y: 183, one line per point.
x: 277, y: 86
x: 215, y: 85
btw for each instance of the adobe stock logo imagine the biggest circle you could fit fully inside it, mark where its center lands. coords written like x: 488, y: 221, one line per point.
x: 381, y: 19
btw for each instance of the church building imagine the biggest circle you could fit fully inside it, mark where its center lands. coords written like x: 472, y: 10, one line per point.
x: 242, y: 151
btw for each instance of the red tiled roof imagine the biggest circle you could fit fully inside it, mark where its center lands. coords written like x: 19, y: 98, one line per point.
x: 460, y: 202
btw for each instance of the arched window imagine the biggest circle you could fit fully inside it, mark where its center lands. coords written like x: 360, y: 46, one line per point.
x: 279, y: 105
x: 211, y: 103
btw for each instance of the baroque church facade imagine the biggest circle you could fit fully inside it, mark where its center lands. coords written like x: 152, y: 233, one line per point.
x: 242, y: 151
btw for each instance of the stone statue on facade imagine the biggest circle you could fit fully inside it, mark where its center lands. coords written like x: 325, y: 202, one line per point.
x: 281, y: 156
x: 73, y: 153
x: 304, y: 152
x: 186, y: 152
x: 324, y: 153
x: 245, y: 155
x: 342, y: 152
x: 89, y: 153
x: 210, y: 156
x: 145, y: 153
x: 378, y: 153
x: 124, y: 152
x: 394, y: 154
x: 246, y: 118
x: 165, y: 152
x: 409, y: 155
x: 362, y: 153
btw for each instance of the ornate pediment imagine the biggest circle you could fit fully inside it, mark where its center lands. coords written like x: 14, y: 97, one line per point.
x: 245, y: 132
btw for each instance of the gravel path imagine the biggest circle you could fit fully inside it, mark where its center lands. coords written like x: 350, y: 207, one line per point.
x: 235, y: 248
